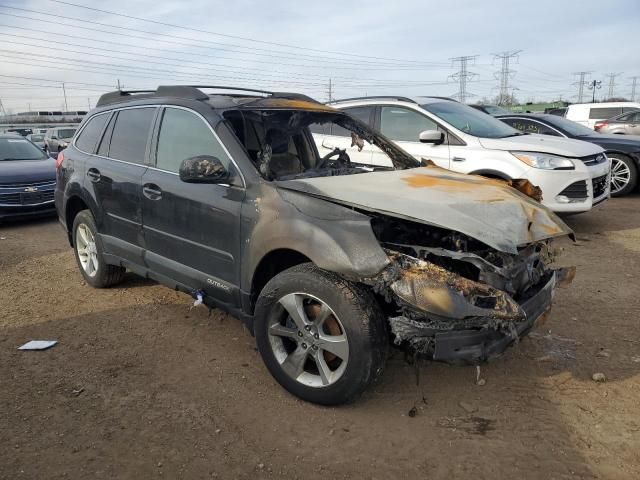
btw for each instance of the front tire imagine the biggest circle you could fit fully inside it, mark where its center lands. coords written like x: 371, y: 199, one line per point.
x: 624, y: 175
x: 321, y: 337
x: 89, y: 253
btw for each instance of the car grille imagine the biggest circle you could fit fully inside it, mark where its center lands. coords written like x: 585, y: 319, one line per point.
x: 599, y: 186
x: 576, y: 190
x: 26, y: 198
x: 45, y: 183
x: 594, y: 159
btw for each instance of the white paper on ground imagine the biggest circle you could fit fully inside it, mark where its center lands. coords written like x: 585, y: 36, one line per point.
x: 38, y: 345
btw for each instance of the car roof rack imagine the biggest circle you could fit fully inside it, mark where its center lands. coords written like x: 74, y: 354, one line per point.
x: 191, y: 92
x: 376, y: 97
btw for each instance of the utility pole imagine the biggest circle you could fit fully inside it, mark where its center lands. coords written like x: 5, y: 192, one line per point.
x: 64, y: 91
x: 634, y: 82
x: 330, y: 91
x: 505, y: 74
x: 463, y: 76
x: 119, y: 87
x: 612, y: 82
x: 594, y: 85
x: 581, y: 84
x: 89, y: 103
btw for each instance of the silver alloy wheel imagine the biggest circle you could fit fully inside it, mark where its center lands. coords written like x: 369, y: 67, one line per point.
x: 308, y: 340
x: 87, y: 251
x: 620, y: 175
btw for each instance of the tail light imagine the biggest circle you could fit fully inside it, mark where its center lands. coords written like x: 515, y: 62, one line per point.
x: 599, y: 125
x: 59, y: 160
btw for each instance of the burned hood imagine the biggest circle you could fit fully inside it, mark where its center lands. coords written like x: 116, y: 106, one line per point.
x: 488, y: 210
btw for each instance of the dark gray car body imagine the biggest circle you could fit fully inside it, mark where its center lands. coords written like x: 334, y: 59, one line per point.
x: 227, y: 240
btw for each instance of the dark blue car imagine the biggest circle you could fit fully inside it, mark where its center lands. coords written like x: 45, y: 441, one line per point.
x: 27, y: 178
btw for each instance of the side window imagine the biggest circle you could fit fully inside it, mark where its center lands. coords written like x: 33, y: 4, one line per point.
x: 130, y: 134
x: 184, y: 135
x: 635, y: 118
x: 403, y: 124
x: 604, y: 112
x: 103, y: 149
x: 361, y: 113
x: 90, y: 133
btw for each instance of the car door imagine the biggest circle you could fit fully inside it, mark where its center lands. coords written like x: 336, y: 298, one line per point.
x: 330, y: 136
x: 404, y: 125
x: 113, y: 179
x: 633, y: 127
x: 192, y: 230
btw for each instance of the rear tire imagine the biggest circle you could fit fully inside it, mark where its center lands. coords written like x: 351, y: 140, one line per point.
x: 334, y: 344
x: 624, y: 175
x: 89, y: 253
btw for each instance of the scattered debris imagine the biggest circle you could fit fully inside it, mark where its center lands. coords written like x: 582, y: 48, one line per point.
x: 635, y: 359
x: 38, y: 345
x: 78, y: 391
x: 199, y: 298
x: 603, y: 353
x: 467, y: 407
x: 598, y: 377
x: 261, y: 466
x: 413, y: 412
x: 479, y: 381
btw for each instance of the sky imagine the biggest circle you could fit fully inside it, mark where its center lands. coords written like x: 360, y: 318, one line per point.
x: 359, y: 48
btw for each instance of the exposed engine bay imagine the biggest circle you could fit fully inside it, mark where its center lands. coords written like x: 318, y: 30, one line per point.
x: 444, y: 282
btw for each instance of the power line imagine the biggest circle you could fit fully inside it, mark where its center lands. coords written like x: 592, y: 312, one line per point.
x: 463, y: 76
x: 581, y: 84
x: 505, y: 74
x: 236, y: 37
x: 202, y: 43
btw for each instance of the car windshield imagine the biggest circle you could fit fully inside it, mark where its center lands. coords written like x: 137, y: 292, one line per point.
x: 494, y: 110
x: 290, y: 144
x: 19, y: 149
x: 66, y: 133
x: 471, y: 121
x: 569, y: 126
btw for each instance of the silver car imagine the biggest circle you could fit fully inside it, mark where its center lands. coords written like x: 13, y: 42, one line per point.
x: 37, y: 139
x: 628, y: 123
x: 57, y: 139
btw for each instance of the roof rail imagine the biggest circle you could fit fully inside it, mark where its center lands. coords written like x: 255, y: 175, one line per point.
x: 377, y: 97
x: 222, y: 87
x: 118, y: 95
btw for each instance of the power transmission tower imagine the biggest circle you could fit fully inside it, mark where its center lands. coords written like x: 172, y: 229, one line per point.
x: 612, y: 82
x: 330, y: 91
x: 505, y: 74
x: 463, y: 76
x: 634, y: 82
x: 581, y: 84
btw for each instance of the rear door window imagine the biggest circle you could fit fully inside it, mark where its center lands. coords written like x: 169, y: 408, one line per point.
x: 131, y: 134
x: 91, y: 133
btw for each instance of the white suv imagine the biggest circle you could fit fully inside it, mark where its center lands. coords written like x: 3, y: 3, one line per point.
x: 572, y: 174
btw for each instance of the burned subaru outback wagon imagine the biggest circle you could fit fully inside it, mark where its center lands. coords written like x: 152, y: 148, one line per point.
x: 328, y: 260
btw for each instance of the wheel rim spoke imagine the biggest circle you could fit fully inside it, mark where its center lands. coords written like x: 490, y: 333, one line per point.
x: 294, y: 363
x: 335, y: 344
x: 323, y: 369
x: 282, y: 331
x: 293, y: 305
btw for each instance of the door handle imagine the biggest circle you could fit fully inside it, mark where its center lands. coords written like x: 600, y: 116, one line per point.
x: 152, y: 191
x: 458, y: 159
x: 93, y: 174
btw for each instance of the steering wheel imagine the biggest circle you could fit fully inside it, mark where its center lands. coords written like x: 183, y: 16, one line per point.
x: 342, y: 159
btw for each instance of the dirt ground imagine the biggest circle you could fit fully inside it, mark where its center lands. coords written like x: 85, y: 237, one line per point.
x: 141, y: 387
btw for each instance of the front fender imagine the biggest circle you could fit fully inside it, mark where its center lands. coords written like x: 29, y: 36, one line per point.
x: 334, y: 237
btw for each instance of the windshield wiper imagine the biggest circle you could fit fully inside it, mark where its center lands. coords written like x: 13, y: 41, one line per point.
x: 517, y: 134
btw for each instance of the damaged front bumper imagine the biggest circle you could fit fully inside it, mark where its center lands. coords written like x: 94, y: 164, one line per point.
x: 453, y: 319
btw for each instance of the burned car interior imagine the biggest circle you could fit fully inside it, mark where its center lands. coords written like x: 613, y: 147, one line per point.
x: 281, y: 147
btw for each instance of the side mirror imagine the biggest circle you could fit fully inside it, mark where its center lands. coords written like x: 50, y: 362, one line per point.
x: 328, y: 145
x: 203, y: 169
x: 432, y: 136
